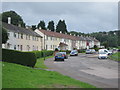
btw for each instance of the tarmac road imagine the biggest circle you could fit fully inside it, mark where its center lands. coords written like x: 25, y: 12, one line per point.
x: 88, y: 68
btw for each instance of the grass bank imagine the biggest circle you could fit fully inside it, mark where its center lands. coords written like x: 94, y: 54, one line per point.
x: 18, y: 76
x: 115, y: 56
x: 40, y: 62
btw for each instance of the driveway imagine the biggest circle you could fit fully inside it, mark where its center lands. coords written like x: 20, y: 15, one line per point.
x: 88, y: 68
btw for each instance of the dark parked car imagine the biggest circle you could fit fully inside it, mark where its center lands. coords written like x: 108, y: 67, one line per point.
x: 65, y: 55
x: 59, y: 57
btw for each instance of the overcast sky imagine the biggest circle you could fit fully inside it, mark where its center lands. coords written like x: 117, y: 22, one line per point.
x: 83, y: 17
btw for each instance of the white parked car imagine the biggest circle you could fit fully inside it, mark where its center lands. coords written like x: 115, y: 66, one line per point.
x: 74, y: 53
x: 105, y: 51
x: 102, y: 55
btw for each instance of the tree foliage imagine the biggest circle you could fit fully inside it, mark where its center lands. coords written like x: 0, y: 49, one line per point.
x: 41, y: 25
x: 15, y: 18
x: 61, y: 26
x: 51, y: 26
x: 33, y: 27
x: 4, y: 35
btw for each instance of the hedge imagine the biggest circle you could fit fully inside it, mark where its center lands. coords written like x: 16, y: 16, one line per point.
x: 81, y: 51
x: 40, y: 54
x: 23, y: 58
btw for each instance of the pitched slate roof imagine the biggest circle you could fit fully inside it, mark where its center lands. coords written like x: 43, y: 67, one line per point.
x: 59, y: 35
x: 17, y: 29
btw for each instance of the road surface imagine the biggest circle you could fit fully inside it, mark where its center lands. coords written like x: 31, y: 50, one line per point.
x: 88, y: 68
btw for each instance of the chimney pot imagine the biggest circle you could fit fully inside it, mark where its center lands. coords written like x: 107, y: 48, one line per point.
x: 40, y: 28
x: 9, y: 20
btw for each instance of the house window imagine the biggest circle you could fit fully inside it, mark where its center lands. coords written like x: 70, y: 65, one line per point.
x: 21, y: 36
x: 15, y: 35
x: 46, y: 37
x: 37, y: 47
x: 33, y: 48
x: 18, y: 35
x: 51, y: 38
x: 8, y: 34
x: 37, y: 38
x: 51, y: 46
x: 26, y: 36
x: 29, y: 37
x: 18, y: 47
x: 8, y: 45
x: 21, y: 47
x: 14, y: 47
x: 46, y: 47
x: 32, y: 37
x: 28, y: 47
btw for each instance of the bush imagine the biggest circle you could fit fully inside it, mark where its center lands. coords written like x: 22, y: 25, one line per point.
x: 23, y: 58
x: 81, y: 51
x: 40, y: 54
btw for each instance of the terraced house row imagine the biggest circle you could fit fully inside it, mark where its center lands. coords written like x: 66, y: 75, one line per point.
x: 24, y: 39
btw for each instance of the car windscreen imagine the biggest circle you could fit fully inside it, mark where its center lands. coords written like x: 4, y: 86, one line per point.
x: 102, y: 53
x: 63, y: 53
x: 88, y: 50
x: 58, y: 54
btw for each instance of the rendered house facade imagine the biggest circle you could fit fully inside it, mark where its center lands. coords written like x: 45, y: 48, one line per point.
x: 22, y: 39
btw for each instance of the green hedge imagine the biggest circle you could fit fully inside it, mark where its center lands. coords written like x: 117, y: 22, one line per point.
x: 23, y: 58
x: 40, y: 54
x: 81, y: 51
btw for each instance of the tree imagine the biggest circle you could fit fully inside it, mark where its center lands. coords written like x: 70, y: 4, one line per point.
x: 15, y: 18
x: 51, y: 26
x: 41, y: 25
x: 4, y: 35
x: 61, y: 26
x: 33, y: 27
x: 106, y: 44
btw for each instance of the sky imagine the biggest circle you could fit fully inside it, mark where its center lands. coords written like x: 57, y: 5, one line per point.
x: 85, y: 17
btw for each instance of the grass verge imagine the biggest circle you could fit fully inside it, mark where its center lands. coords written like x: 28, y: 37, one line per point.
x: 40, y: 62
x: 115, y: 56
x: 18, y: 76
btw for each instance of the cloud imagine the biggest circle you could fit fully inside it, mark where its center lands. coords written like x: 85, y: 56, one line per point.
x: 80, y: 16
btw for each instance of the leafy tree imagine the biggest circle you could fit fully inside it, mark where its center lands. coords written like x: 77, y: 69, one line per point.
x: 15, y: 18
x: 105, y: 44
x: 61, y: 26
x: 42, y: 25
x: 74, y: 33
x: 33, y: 27
x: 51, y: 26
x: 4, y: 35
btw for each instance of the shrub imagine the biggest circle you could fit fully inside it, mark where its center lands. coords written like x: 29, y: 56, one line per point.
x: 67, y: 51
x: 23, y: 58
x: 81, y: 51
x: 40, y: 54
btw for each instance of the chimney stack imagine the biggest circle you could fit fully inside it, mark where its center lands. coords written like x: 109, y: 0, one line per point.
x: 9, y: 20
x: 40, y: 28
x: 19, y: 25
